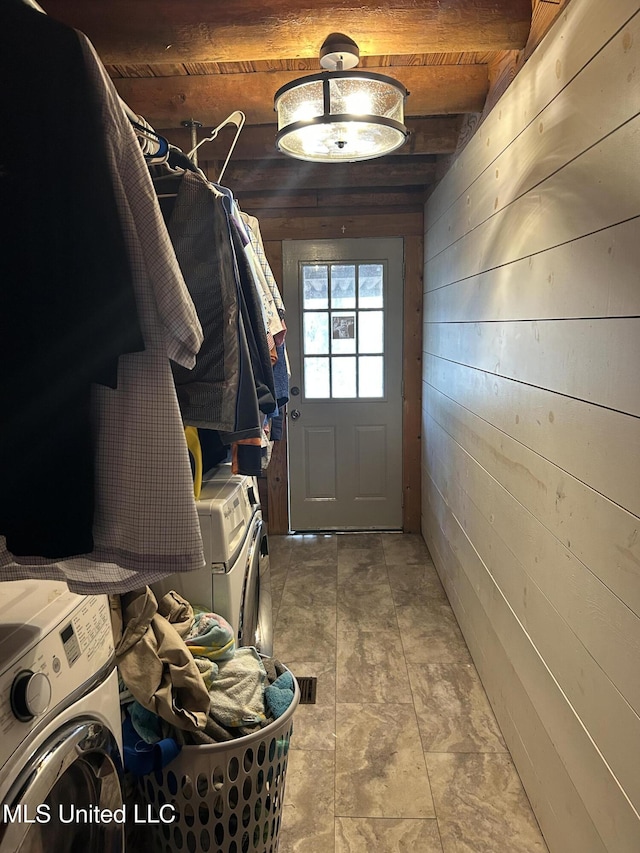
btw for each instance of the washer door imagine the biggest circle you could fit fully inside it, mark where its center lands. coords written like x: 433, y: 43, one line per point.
x: 57, y: 803
x: 256, y: 613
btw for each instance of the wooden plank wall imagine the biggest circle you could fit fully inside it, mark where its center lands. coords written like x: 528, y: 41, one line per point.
x: 531, y: 419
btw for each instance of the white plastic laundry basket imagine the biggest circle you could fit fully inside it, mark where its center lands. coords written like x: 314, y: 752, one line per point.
x: 221, y: 798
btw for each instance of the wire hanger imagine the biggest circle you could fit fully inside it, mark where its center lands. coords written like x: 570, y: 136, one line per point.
x: 236, y: 118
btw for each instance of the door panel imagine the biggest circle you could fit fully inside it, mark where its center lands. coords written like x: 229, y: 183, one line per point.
x: 371, y: 443
x: 319, y: 447
x: 344, y: 320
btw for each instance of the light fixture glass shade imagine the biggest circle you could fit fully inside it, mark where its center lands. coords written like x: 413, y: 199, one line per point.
x: 340, y: 116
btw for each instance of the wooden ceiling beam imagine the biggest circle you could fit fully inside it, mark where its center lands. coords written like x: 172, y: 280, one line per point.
x: 167, y: 101
x: 434, y: 135
x: 289, y: 175
x: 340, y: 224
x: 337, y: 198
x: 151, y: 31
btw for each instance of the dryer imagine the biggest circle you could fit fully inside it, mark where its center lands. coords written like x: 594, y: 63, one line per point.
x: 236, y: 580
x: 61, y: 743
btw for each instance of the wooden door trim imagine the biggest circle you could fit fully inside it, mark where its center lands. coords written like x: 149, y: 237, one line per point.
x: 412, y: 385
x: 277, y: 509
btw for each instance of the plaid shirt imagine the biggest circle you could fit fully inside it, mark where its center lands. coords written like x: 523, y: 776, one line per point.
x: 145, y: 525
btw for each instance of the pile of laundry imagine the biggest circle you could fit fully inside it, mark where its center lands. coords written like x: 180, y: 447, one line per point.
x: 183, y: 681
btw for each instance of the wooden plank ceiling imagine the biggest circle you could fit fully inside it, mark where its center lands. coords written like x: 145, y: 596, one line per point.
x: 177, y: 60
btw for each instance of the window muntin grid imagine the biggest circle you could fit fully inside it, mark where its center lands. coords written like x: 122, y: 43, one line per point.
x: 343, y: 330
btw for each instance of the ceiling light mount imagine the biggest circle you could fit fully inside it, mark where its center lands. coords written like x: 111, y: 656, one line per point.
x: 339, y: 53
x: 340, y: 115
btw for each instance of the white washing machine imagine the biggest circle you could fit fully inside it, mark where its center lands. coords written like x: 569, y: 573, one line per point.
x: 236, y: 581
x: 61, y: 740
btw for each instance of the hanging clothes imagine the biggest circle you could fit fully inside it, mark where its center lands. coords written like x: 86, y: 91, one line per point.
x: 220, y: 395
x: 253, y: 229
x: 231, y: 389
x: 281, y: 370
x: 145, y: 523
x: 197, y: 225
x: 254, y: 326
x: 67, y: 301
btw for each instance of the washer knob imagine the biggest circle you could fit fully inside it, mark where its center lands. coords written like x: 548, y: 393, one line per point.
x: 30, y: 695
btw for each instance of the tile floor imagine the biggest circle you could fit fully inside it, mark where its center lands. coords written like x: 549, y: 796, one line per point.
x: 401, y: 752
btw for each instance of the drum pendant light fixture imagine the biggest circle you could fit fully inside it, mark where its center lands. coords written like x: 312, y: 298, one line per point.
x: 340, y: 115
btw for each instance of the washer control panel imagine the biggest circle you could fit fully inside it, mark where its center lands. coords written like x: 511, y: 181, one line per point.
x: 53, y: 668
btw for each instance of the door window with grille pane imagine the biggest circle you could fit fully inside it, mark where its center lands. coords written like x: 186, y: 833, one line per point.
x: 343, y: 330
x: 344, y: 302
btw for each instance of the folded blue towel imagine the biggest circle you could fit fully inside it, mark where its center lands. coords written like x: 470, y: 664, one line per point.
x: 279, y: 695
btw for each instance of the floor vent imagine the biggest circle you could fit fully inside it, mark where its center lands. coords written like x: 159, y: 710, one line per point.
x: 307, y: 685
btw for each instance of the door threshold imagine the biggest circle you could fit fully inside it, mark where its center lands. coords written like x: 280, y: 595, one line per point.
x: 342, y: 532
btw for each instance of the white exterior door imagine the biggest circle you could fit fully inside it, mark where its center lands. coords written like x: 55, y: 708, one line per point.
x: 344, y: 339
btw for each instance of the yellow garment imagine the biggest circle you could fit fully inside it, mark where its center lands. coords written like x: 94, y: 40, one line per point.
x: 193, y: 443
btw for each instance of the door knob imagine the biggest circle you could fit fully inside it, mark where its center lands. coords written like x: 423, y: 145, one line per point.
x: 295, y: 414
x: 295, y: 391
